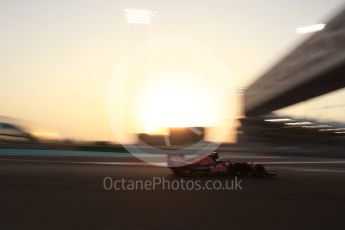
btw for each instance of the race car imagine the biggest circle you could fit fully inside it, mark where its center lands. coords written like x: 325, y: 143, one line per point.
x: 213, y: 165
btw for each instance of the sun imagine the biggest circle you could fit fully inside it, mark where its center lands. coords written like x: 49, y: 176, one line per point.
x: 170, y: 82
x: 178, y: 99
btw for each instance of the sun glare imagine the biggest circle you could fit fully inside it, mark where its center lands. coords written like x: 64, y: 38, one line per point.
x: 177, y: 100
x: 170, y: 82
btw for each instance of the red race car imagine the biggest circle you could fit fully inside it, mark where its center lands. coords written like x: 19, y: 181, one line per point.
x: 213, y: 165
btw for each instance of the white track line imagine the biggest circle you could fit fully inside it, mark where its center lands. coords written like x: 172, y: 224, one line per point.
x: 161, y: 164
x: 164, y: 164
x: 81, y: 162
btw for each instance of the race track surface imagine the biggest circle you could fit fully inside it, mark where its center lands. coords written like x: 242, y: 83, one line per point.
x: 69, y: 194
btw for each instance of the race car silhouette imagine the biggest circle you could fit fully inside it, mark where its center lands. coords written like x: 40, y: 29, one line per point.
x: 213, y: 165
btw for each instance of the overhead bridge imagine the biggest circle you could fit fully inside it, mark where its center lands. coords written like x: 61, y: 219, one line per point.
x: 315, y: 67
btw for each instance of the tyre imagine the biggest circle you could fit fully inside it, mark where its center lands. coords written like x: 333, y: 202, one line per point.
x: 259, y: 170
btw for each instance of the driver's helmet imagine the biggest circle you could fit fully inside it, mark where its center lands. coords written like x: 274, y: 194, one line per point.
x: 214, y: 155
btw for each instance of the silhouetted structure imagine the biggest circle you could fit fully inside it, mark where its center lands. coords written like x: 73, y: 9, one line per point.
x: 314, y: 68
x: 177, y: 136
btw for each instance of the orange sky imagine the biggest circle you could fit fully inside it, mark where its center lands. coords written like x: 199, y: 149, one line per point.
x: 59, y: 57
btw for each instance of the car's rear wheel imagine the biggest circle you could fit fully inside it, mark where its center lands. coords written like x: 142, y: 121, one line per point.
x: 259, y: 170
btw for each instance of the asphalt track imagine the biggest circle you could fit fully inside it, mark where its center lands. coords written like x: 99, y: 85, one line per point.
x: 68, y: 193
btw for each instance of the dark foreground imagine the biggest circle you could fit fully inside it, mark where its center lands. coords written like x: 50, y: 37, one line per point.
x: 48, y: 195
